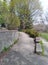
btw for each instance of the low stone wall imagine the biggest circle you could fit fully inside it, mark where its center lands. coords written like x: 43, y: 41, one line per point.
x: 7, y: 38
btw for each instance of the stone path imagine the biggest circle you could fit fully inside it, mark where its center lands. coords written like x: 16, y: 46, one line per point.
x: 22, y: 53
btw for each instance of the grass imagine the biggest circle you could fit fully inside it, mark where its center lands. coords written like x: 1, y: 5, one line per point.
x: 5, y: 49
x: 44, y: 35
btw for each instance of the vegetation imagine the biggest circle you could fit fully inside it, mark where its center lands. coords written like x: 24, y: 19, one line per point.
x: 44, y: 35
x: 42, y: 47
x: 32, y: 33
x: 5, y: 49
x: 24, y: 14
x: 18, y: 13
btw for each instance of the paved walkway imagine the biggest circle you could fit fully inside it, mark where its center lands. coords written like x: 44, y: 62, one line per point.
x: 22, y: 53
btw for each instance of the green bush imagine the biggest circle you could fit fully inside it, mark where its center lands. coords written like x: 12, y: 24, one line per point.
x: 42, y: 47
x: 32, y: 33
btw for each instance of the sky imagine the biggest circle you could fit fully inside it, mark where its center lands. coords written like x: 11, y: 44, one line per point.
x: 44, y: 4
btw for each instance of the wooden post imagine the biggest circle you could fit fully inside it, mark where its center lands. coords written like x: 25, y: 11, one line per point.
x: 35, y: 45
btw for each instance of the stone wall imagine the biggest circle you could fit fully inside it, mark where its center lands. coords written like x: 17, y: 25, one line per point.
x: 7, y: 38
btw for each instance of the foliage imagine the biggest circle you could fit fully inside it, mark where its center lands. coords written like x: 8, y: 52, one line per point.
x: 24, y: 15
x: 42, y: 47
x: 14, y: 22
x: 1, y: 16
x: 3, y: 12
x: 1, y: 19
x: 8, y: 15
x: 25, y: 11
x: 16, y: 13
x: 32, y: 33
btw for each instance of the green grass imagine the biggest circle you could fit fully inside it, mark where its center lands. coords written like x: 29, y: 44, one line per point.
x: 44, y: 35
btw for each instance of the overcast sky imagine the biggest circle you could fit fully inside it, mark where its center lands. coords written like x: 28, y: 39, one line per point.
x: 44, y: 4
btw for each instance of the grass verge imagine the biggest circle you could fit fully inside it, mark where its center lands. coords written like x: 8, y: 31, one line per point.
x: 44, y: 35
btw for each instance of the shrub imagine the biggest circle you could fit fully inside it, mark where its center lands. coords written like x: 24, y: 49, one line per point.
x: 32, y: 33
x: 42, y: 47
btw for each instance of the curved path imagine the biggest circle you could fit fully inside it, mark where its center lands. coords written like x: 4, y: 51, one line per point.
x: 22, y: 53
